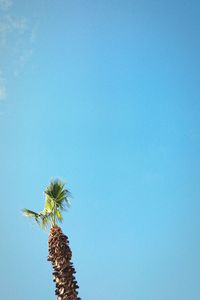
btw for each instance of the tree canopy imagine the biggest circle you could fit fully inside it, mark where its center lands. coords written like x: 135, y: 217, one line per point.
x: 56, y: 200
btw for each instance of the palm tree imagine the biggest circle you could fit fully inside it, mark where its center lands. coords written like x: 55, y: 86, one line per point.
x: 56, y: 200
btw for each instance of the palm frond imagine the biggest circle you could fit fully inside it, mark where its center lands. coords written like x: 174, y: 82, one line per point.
x: 56, y: 200
x: 49, y: 204
x: 54, y: 188
x: 57, y: 194
x: 59, y: 215
x: 30, y: 213
x: 63, y: 197
x: 45, y: 220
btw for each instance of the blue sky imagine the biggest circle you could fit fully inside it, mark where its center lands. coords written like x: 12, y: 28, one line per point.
x: 105, y: 95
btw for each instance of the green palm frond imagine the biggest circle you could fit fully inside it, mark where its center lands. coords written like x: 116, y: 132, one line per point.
x: 56, y: 193
x: 49, y: 204
x: 45, y: 220
x: 59, y: 215
x: 64, y: 197
x: 31, y: 214
x: 56, y: 200
x: 55, y: 188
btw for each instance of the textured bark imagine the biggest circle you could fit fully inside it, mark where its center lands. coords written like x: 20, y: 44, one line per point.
x: 60, y: 256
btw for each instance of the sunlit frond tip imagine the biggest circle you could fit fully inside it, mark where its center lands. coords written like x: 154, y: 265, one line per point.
x: 30, y: 213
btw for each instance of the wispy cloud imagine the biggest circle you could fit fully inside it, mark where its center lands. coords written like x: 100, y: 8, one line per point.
x: 5, y: 4
x: 17, y: 38
x: 2, y: 92
x: 2, y: 87
x: 10, y: 25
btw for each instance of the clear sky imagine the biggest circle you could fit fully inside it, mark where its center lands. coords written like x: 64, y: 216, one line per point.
x: 105, y: 95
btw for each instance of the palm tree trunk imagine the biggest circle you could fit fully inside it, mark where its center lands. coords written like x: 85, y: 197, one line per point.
x: 60, y: 256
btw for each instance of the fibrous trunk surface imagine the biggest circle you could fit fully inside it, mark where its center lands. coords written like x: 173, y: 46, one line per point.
x: 60, y: 256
